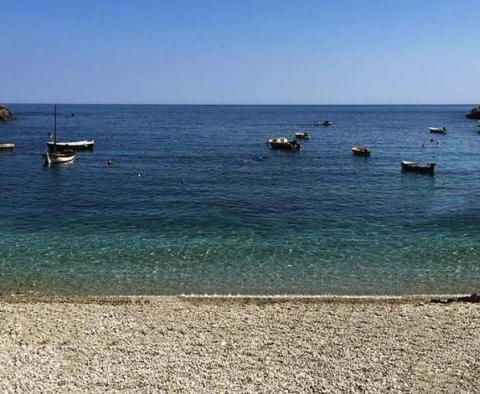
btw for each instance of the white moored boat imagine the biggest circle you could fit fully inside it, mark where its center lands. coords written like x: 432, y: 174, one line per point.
x: 59, y: 157
x: 75, y: 145
x: 7, y: 146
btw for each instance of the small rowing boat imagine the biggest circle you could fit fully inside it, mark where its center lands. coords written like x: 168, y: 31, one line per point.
x: 420, y: 168
x: 361, y: 151
x: 325, y: 123
x: 302, y: 136
x: 64, y: 156
x: 438, y: 130
x: 7, y: 146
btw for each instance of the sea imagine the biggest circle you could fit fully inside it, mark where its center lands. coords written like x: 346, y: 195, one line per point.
x: 195, y: 202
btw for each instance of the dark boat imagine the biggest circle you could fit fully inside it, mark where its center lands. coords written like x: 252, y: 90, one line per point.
x: 420, y: 168
x: 325, y: 123
x: 71, y: 145
x: 302, y: 136
x: 438, y: 130
x: 283, y: 143
x: 360, y: 151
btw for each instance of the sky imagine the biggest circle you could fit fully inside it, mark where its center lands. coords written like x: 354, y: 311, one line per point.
x: 240, y: 52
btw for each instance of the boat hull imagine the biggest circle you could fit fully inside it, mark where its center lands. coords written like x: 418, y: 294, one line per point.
x: 302, y: 136
x: 360, y: 151
x: 73, y: 145
x: 434, y: 130
x: 7, y: 146
x: 291, y: 146
x: 288, y: 146
x: 58, y: 157
x: 421, y: 169
x: 323, y: 124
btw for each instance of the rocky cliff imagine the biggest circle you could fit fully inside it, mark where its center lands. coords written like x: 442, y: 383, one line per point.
x: 5, y: 113
x: 474, y: 113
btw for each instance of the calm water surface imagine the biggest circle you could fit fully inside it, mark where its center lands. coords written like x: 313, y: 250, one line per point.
x: 195, y: 202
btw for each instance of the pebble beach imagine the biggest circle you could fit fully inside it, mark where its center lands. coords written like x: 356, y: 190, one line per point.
x: 197, y: 344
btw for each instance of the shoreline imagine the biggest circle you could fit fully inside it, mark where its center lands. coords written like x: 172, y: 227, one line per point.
x: 326, y: 298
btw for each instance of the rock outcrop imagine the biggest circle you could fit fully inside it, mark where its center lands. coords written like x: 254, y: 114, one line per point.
x: 474, y: 113
x: 5, y: 113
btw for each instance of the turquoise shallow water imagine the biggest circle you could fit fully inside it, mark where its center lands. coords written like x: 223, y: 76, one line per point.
x: 215, y: 211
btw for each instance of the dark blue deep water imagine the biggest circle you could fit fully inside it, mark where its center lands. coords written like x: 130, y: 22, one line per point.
x: 195, y: 202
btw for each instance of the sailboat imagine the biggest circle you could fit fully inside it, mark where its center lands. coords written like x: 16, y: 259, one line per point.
x: 55, y: 155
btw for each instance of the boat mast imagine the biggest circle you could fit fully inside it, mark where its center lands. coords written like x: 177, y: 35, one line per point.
x: 55, y: 125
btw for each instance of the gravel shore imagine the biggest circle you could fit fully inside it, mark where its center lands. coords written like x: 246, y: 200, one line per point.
x: 173, y: 344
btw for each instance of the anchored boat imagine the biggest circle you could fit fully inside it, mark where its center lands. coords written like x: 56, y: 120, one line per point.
x: 361, y: 151
x: 325, y: 123
x: 438, y: 130
x: 59, y: 157
x: 7, y: 146
x: 283, y: 143
x: 420, y: 168
x: 56, y: 155
x: 302, y: 136
x: 74, y: 145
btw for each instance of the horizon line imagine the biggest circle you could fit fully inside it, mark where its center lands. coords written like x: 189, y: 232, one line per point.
x: 242, y: 104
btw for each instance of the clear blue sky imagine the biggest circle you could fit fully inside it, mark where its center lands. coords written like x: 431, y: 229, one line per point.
x: 228, y: 52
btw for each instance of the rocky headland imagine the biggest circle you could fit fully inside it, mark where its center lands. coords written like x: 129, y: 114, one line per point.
x: 5, y: 113
x: 474, y: 113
